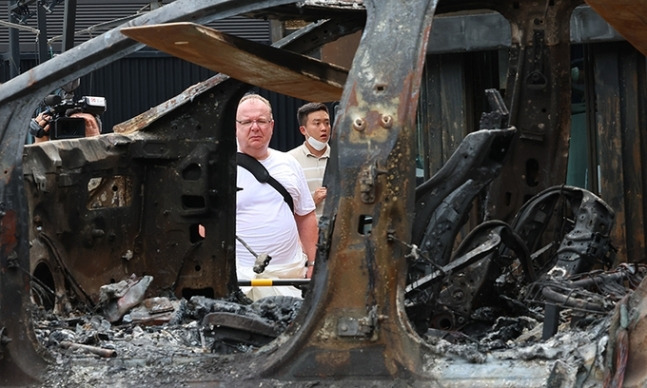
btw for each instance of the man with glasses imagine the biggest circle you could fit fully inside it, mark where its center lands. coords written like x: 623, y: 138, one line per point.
x: 264, y: 220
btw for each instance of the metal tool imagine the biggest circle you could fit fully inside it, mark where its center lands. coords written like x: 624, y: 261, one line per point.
x: 262, y: 260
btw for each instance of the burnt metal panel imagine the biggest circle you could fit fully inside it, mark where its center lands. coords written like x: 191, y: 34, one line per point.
x: 620, y: 118
x: 627, y: 17
x: 296, y: 75
x: 443, y: 115
x: 588, y: 27
x: 352, y: 334
x: 538, y: 94
x: 629, y: 329
x: 18, y: 99
x: 451, y: 102
x: 491, y: 31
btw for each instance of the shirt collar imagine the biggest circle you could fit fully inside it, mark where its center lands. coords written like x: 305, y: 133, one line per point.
x: 306, y: 151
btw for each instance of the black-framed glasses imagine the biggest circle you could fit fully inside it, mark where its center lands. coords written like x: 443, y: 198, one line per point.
x: 248, y: 123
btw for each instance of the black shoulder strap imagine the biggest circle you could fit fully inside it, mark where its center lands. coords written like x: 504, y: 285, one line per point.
x: 262, y: 175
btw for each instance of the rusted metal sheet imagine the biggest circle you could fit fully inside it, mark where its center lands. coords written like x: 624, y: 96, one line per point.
x: 145, y: 119
x: 539, y: 101
x: 627, y: 17
x: 617, y: 70
x: 282, y: 71
x: 360, y: 330
x: 18, y: 351
x: 627, y: 350
x: 18, y: 99
x: 304, y: 40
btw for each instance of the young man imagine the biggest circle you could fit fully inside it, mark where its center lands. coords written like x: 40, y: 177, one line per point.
x: 313, y: 154
x: 264, y: 220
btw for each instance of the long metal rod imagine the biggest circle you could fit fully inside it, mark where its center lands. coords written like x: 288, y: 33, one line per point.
x: 272, y: 282
x: 42, y: 34
x: 69, y: 23
x: 14, y: 45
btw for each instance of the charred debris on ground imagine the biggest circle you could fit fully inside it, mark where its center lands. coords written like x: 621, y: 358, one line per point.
x: 131, y: 339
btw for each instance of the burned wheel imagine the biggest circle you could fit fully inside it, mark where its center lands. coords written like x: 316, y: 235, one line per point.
x: 249, y: 327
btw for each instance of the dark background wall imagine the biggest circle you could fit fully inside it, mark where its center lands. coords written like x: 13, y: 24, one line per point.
x: 144, y: 79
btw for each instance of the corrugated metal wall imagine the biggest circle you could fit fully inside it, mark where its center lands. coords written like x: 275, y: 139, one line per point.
x: 136, y: 83
x: 91, y: 13
x: 148, y: 78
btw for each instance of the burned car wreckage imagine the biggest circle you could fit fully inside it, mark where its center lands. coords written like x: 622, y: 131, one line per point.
x: 488, y: 271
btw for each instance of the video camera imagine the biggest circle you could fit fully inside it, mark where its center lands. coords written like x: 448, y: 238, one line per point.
x: 60, y: 108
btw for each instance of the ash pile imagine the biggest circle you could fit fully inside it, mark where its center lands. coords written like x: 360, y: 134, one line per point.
x: 511, y: 299
x: 159, y: 340
x: 163, y: 340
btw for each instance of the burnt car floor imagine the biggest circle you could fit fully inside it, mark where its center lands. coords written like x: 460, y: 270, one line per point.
x: 491, y: 272
x: 153, y: 345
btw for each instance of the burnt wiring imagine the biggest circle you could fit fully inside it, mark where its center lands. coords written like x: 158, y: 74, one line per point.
x: 595, y: 292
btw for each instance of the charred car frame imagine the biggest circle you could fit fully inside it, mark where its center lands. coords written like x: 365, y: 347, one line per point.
x: 491, y: 231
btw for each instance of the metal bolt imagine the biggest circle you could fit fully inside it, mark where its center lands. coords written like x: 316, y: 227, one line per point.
x: 359, y: 124
x: 387, y: 121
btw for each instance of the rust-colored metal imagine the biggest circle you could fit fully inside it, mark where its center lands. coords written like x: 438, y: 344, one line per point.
x: 15, y: 336
x: 635, y: 317
x: 145, y: 119
x: 622, y: 352
x: 616, y: 101
x: 85, y: 230
x: 628, y: 17
x: 107, y: 353
x: 257, y: 64
x: 358, y: 327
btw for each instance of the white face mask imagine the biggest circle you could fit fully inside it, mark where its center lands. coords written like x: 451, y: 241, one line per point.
x: 316, y: 144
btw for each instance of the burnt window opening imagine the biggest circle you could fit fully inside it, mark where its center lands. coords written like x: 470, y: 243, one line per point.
x: 187, y: 293
x: 532, y: 172
x: 43, y: 286
x: 193, y: 202
x: 365, y: 224
x: 196, y: 233
x: 192, y: 172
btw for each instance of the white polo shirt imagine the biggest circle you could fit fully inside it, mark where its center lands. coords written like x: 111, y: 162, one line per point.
x: 313, y: 167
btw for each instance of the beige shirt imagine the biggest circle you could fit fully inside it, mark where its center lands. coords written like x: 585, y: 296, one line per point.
x: 313, y: 168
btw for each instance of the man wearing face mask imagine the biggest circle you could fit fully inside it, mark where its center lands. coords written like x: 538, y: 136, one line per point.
x: 313, y: 154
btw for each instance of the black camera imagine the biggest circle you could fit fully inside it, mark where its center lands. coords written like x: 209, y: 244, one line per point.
x: 62, y: 126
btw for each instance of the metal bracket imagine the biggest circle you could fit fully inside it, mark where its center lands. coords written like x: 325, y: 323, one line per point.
x: 367, y: 183
x: 357, y: 327
x: 367, y: 178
